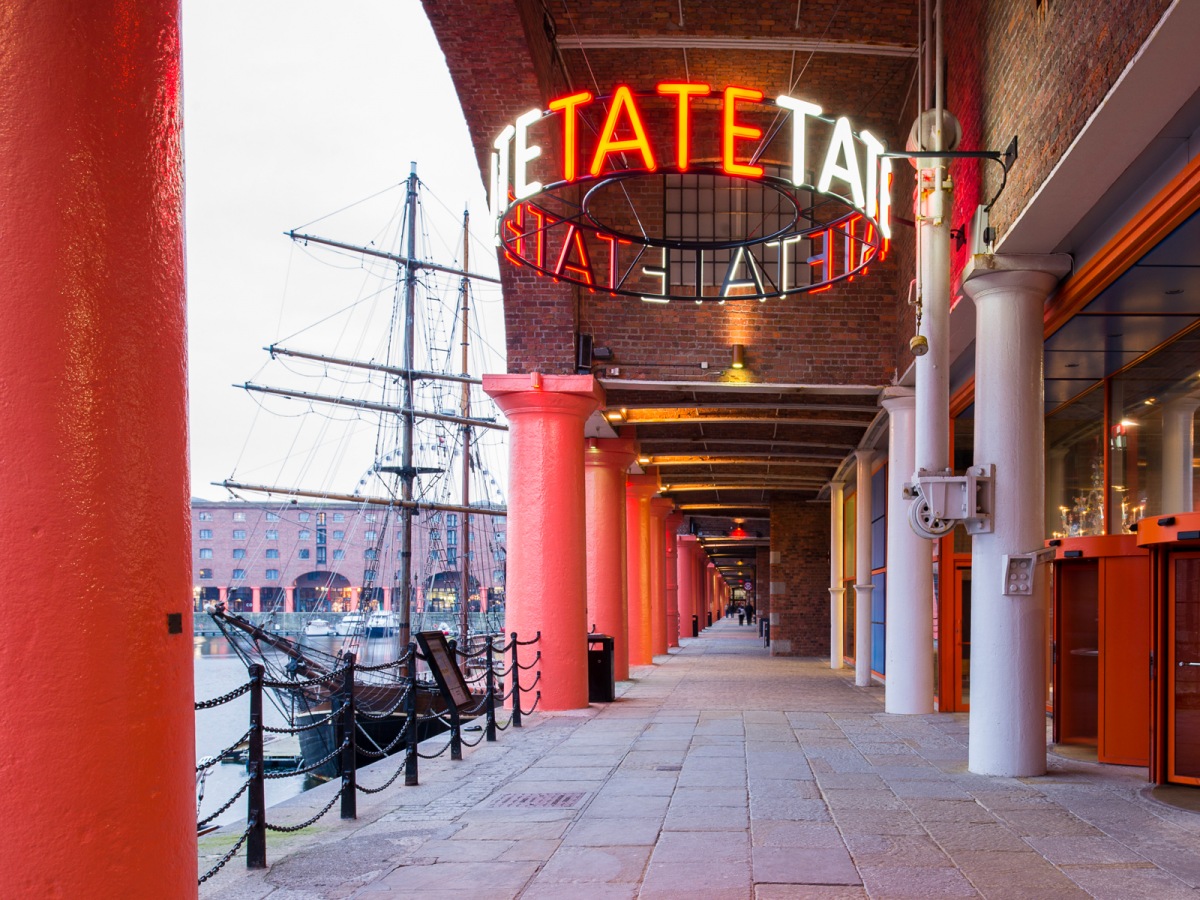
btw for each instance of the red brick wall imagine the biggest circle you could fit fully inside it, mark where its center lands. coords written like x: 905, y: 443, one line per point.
x: 1012, y: 72
x: 800, y: 615
x: 762, y: 581
x: 844, y: 336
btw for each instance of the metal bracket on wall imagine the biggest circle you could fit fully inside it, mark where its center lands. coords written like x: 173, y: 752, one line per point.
x: 1019, y: 569
x: 941, y: 501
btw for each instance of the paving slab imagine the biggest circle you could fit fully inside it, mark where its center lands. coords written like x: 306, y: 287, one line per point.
x: 721, y: 772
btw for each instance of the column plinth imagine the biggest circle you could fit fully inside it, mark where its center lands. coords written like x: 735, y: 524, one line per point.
x: 660, y: 509
x: 862, y: 576
x: 97, y: 780
x: 1008, y: 633
x: 638, y: 491
x: 546, y: 584
x: 908, y: 653
x: 605, y: 462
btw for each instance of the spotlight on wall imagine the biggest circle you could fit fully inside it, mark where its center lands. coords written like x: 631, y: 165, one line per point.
x: 739, y: 356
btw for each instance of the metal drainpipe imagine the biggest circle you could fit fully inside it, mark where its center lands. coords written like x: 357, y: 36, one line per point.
x: 933, y: 288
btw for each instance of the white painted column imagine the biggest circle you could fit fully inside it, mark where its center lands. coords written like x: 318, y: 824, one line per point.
x: 837, y: 651
x: 1008, y: 639
x: 909, y: 648
x: 862, y: 572
x: 1177, y: 444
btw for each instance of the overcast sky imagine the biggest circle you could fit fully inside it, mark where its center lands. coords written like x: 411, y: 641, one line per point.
x: 293, y: 110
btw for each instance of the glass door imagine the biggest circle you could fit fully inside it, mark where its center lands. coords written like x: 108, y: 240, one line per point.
x: 962, y: 636
x: 1183, y: 695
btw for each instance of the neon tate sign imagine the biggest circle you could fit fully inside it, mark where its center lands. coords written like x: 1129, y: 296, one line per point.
x: 823, y: 213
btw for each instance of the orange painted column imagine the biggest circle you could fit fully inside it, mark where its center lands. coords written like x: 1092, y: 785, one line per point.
x: 547, y: 544
x: 671, y: 552
x: 660, y: 508
x: 97, y: 779
x: 638, y: 491
x: 605, y: 462
x: 688, y: 607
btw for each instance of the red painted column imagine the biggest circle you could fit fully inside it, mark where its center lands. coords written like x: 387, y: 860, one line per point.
x: 638, y: 491
x: 547, y: 543
x: 671, y: 552
x: 605, y: 462
x: 686, y: 562
x: 256, y: 599
x: 289, y: 600
x: 660, y: 508
x: 714, y: 593
x: 97, y: 777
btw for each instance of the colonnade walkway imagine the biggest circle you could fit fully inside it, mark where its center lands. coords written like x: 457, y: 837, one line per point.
x: 723, y: 773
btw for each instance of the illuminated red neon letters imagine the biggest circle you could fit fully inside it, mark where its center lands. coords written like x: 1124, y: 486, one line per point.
x: 826, y: 156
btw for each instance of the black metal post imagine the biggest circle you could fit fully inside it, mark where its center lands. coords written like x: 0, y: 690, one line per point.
x: 516, y: 688
x: 490, y: 701
x: 455, y: 713
x: 256, y: 804
x: 350, y: 740
x: 410, y: 719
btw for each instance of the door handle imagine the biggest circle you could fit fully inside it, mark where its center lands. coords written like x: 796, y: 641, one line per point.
x: 1190, y: 664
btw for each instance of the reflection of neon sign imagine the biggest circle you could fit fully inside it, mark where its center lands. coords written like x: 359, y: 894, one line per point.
x: 575, y: 218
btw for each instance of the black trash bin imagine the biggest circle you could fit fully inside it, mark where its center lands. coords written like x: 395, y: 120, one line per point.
x: 602, y: 681
x: 695, y: 626
x: 710, y: 619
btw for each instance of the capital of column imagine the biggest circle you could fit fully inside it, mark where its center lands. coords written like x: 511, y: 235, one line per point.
x: 897, y: 398
x: 988, y: 273
x: 661, y: 508
x: 615, y: 453
x: 864, y: 457
x: 643, y: 487
x: 517, y: 395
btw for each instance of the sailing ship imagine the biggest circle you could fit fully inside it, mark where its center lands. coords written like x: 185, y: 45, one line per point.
x: 426, y: 477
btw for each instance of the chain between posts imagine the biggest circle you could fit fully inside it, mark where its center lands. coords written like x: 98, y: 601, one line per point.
x: 345, y: 719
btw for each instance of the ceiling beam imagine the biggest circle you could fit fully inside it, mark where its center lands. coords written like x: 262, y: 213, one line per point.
x: 747, y: 459
x: 613, y: 385
x: 702, y: 416
x: 728, y: 42
x: 762, y: 460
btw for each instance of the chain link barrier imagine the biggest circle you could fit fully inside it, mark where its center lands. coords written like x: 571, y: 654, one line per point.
x: 292, y: 829
x: 226, y: 858
x: 483, y: 709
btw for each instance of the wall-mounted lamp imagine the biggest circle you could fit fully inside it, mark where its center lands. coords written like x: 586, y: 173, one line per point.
x: 739, y: 356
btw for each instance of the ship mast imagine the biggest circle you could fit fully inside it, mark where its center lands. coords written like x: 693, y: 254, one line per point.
x: 407, y: 473
x: 464, y: 591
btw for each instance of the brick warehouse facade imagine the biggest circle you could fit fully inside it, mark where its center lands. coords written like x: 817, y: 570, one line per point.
x: 730, y: 445
x: 306, y: 557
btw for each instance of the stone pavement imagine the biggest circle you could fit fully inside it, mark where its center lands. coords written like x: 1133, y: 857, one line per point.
x: 723, y: 773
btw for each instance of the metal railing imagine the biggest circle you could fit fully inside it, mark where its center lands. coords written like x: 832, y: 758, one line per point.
x: 347, y: 718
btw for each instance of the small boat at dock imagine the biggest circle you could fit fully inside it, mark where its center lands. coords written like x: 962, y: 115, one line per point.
x: 317, y: 628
